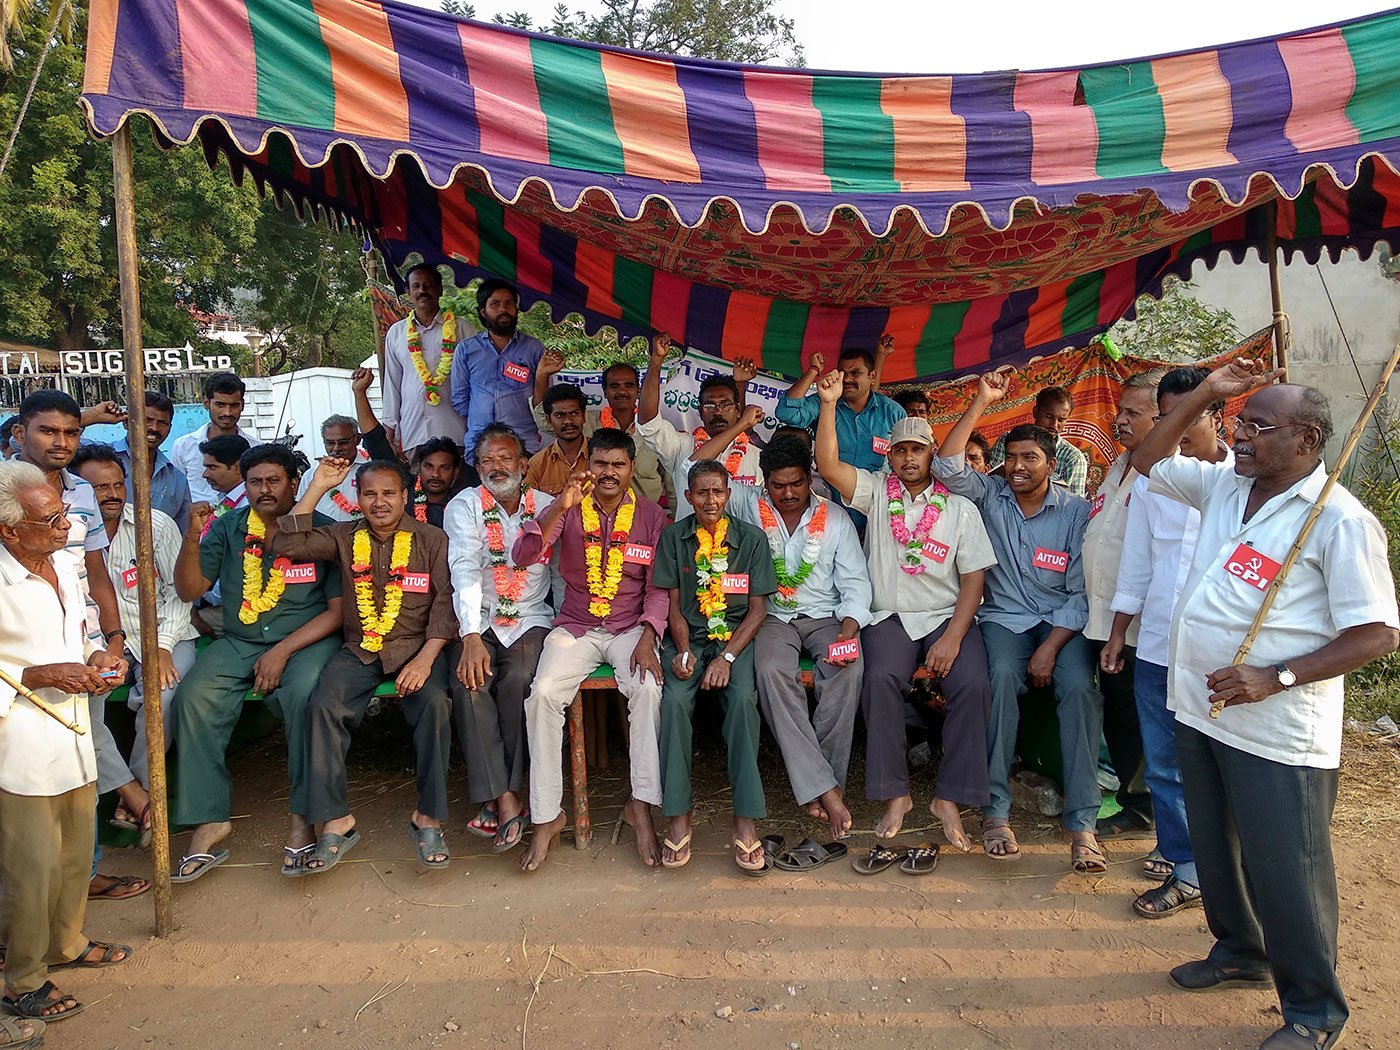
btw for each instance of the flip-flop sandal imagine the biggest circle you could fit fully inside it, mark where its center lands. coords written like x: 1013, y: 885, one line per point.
x: 1087, y: 859
x: 772, y: 846
x: 429, y: 843
x: 31, y: 1005
x: 485, y: 824
x: 921, y: 860
x: 878, y: 859
x: 1167, y: 899
x: 503, y: 842
x: 14, y: 1039
x: 330, y: 850
x: 809, y: 854
x: 999, y: 831
x: 109, y: 952
x: 294, y: 858
x: 205, y: 862
x: 680, y: 852
x: 123, y: 887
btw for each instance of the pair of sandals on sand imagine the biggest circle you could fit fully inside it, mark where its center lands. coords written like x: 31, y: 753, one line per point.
x: 30, y: 1007
x: 912, y: 860
x: 807, y: 855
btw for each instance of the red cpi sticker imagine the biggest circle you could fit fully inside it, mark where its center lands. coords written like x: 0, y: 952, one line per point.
x: 1255, y: 569
x: 735, y: 583
x: 638, y: 554
x: 303, y: 573
x: 880, y: 445
x: 847, y: 650
x: 935, y: 551
x: 129, y: 577
x: 519, y: 373
x: 415, y: 583
x: 1055, y: 561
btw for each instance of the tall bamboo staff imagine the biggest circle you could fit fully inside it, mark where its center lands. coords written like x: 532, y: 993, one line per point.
x: 1353, y: 439
x: 125, y: 197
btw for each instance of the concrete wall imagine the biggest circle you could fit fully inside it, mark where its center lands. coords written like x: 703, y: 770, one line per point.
x: 1367, y: 303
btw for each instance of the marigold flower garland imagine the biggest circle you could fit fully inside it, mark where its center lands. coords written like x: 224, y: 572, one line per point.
x: 375, y: 625
x: 510, y: 583
x: 811, y: 551
x: 433, y: 381
x: 257, y: 598
x: 603, y: 586
x: 608, y: 419
x: 420, y: 503
x: 912, y: 557
x: 711, y: 563
x: 736, y: 450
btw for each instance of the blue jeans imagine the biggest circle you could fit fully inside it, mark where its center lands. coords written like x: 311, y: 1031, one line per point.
x: 1158, y: 727
x: 1078, y: 706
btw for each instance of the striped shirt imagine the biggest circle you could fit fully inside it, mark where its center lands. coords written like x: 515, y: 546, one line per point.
x: 172, y: 615
x: 85, y: 533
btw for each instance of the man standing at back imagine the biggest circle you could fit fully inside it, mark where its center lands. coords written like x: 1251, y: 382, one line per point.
x: 1260, y: 770
x: 419, y: 353
x: 170, y: 489
x: 223, y: 400
x: 1053, y: 407
x: 495, y: 380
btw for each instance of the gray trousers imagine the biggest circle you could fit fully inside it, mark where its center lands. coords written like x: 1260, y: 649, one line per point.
x: 1261, y: 834
x: 490, y: 721
x: 112, y: 771
x: 338, y: 706
x: 182, y: 656
x: 816, y: 750
x: 893, y: 658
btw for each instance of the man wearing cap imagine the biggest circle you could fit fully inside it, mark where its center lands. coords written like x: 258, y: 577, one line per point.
x: 927, y: 551
x: 494, y: 381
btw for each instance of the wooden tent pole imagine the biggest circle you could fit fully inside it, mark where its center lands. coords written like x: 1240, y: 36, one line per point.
x: 1283, y: 330
x: 127, y: 272
x: 1353, y: 439
x: 369, y: 263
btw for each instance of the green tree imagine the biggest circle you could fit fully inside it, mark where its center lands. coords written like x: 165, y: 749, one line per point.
x: 1176, y: 327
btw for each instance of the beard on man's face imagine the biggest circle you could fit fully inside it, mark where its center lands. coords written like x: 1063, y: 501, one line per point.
x: 502, y: 485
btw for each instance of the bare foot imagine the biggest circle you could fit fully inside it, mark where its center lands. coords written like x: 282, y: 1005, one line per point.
x: 637, y: 814
x: 834, y: 812
x: 893, y: 818
x: 814, y: 809
x: 543, y: 838
x: 204, y: 839
x: 746, y: 832
x: 675, y: 850
x: 951, y: 817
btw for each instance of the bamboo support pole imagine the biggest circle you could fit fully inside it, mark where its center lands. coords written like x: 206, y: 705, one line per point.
x: 1283, y: 329
x: 1353, y: 439
x: 128, y: 274
x: 53, y: 712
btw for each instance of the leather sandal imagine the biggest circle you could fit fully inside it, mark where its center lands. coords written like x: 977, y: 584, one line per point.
x: 1167, y: 899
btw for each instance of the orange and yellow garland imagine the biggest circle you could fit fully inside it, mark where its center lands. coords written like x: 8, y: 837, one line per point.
x: 711, y: 563
x: 257, y: 598
x: 736, y: 450
x: 603, y: 586
x: 376, y: 624
x: 433, y: 381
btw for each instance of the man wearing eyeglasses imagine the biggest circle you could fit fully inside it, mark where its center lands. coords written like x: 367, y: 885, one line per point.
x: 1260, y: 780
x: 717, y: 437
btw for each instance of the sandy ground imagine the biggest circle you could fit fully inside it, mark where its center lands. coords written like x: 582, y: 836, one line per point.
x: 596, y: 951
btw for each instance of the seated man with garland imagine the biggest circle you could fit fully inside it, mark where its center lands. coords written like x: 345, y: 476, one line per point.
x: 400, y: 625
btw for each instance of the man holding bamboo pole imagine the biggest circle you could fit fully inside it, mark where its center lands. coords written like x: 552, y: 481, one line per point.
x: 48, y: 770
x: 1261, y: 779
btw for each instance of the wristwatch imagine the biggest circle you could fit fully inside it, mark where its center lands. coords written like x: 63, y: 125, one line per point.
x: 1286, y: 678
x: 728, y: 657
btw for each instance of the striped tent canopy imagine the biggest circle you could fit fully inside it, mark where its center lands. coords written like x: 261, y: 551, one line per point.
x: 774, y: 213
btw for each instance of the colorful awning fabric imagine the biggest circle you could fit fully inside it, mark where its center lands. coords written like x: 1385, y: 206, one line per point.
x: 750, y: 211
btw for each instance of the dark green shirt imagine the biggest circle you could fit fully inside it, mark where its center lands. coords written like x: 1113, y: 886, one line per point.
x: 748, y: 556
x: 221, y: 558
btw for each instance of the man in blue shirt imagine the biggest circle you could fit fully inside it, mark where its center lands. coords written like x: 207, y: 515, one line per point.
x: 493, y: 378
x: 1032, y: 618
x: 170, y: 490
x: 864, y: 418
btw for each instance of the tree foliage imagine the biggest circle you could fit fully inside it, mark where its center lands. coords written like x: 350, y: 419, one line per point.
x: 1176, y: 327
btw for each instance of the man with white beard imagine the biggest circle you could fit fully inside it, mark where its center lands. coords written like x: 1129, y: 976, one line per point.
x: 504, y: 616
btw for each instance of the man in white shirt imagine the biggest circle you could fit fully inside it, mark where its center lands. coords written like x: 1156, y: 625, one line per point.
x: 340, y: 435
x: 927, y: 550
x: 415, y: 409
x: 823, y: 601
x: 502, y: 632
x: 48, y: 800
x: 1158, y: 545
x: 1261, y: 778
x: 223, y: 400
x: 721, y: 402
x: 102, y: 469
